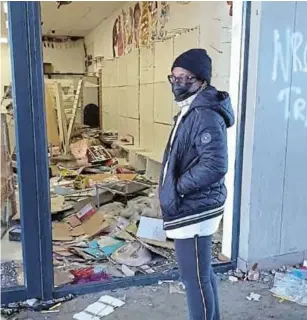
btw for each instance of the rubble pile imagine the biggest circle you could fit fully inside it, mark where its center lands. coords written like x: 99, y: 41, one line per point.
x: 106, y: 218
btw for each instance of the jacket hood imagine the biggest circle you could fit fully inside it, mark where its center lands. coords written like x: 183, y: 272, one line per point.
x: 219, y: 101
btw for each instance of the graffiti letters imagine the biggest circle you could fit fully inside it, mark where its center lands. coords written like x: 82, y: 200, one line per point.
x: 289, y: 58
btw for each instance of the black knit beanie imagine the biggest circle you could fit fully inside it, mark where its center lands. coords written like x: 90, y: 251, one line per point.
x: 196, y: 61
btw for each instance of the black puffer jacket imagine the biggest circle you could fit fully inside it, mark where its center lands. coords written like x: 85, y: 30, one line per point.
x: 193, y: 189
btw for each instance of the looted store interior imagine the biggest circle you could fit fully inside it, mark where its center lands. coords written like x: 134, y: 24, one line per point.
x: 109, y: 112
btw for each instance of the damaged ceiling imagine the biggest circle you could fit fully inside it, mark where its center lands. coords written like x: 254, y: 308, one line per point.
x: 76, y: 18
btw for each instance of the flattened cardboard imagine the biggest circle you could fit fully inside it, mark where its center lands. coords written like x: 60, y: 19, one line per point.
x: 94, y: 225
x: 74, y: 221
x: 79, y: 252
x: 77, y: 231
x: 61, y: 232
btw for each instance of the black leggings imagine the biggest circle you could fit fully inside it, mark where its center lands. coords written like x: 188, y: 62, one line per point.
x: 194, y: 260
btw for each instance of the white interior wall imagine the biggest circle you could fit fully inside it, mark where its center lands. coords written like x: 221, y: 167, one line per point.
x: 66, y: 59
x: 213, y: 31
x: 212, y: 16
x: 5, y: 66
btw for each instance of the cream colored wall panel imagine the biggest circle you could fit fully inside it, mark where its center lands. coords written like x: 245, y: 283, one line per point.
x: 110, y: 98
x: 147, y: 135
x: 221, y: 83
x: 163, y: 103
x: 122, y: 101
x: 221, y: 60
x: 164, y: 57
x: 147, y: 116
x: 106, y: 100
x: 133, y: 68
x: 110, y: 122
x: 121, y: 71
x: 128, y: 126
x: 185, y: 42
x: 161, y: 136
x: 147, y: 102
x: 132, y: 101
x: 113, y: 75
x: 107, y: 73
x: 147, y: 65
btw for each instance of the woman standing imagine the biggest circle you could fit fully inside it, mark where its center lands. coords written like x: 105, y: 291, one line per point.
x: 192, y: 190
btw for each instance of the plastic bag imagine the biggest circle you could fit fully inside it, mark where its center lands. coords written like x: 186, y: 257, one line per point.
x: 290, y: 287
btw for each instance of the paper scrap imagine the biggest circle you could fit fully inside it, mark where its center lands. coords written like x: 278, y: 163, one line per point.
x: 151, y: 228
x: 254, y: 297
x: 127, y: 271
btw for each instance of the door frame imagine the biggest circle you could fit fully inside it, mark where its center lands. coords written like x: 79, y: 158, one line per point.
x: 28, y: 93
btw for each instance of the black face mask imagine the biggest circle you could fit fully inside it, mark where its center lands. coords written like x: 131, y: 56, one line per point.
x: 182, y: 92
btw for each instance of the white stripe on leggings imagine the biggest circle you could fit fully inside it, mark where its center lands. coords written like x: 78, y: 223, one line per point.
x: 198, y: 277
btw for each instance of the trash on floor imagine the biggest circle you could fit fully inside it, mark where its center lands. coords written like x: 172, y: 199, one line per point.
x: 253, y: 297
x: 106, y: 217
x: 101, y: 308
x: 291, y: 286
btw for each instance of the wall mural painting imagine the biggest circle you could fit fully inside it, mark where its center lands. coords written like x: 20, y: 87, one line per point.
x: 139, y: 26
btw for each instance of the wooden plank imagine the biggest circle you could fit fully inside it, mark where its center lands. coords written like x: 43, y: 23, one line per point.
x: 51, y: 120
x: 74, y: 112
x: 61, y: 115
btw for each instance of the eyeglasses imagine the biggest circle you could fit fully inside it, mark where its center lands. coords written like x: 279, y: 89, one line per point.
x: 182, y: 79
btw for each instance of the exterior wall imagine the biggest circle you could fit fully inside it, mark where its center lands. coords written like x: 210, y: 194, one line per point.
x: 274, y: 192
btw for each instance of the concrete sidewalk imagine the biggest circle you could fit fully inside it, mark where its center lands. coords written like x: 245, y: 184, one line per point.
x: 156, y: 303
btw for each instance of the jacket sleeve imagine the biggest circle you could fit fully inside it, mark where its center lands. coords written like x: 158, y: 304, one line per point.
x: 211, y: 146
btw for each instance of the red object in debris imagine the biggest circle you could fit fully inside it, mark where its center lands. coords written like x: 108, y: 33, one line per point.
x: 86, y: 212
x: 123, y: 170
x: 87, y: 275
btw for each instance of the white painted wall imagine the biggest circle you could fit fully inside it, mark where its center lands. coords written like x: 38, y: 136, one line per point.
x: 212, y: 18
x: 5, y: 66
x: 155, y: 100
x: 66, y: 59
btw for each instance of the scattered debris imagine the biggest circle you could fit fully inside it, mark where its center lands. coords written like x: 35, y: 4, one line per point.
x: 101, y: 308
x: 291, y: 286
x: 106, y: 216
x: 233, y: 279
x: 253, y: 274
x: 34, y: 305
x: 254, y: 297
x: 176, y: 287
